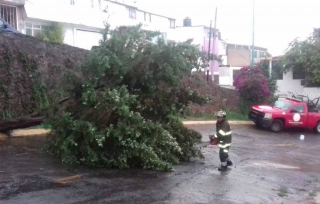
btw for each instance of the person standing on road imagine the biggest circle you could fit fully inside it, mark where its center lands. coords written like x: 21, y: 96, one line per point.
x: 224, y: 137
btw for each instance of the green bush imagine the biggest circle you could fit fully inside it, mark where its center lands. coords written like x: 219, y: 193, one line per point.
x: 54, y: 34
x: 124, y: 106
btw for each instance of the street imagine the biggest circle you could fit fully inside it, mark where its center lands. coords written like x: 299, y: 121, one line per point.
x: 268, y: 168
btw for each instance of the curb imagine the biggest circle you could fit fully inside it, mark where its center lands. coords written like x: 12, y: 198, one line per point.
x: 68, y: 179
x: 212, y: 122
x: 37, y: 132
x: 3, y: 136
x: 25, y: 133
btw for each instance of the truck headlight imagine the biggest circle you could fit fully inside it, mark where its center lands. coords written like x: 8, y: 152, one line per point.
x: 268, y: 116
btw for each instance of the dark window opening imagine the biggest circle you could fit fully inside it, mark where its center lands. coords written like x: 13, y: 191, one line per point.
x: 277, y: 70
x: 299, y: 74
x: 132, y: 13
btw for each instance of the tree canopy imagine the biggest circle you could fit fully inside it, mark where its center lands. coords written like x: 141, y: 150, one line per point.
x: 126, y: 100
x: 304, y: 57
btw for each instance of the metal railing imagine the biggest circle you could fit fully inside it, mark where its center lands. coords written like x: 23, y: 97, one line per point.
x: 9, y: 14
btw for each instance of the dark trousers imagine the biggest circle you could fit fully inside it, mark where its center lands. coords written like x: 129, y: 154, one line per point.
x: 224, y: 155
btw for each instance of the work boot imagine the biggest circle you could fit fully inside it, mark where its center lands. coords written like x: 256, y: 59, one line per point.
x: 223, y: 168
x: 229, y: 163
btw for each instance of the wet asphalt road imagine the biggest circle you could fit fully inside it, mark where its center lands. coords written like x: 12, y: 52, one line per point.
x: 269, y: 168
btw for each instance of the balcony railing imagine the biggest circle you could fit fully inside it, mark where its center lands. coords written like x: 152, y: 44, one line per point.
x: 9, y: 14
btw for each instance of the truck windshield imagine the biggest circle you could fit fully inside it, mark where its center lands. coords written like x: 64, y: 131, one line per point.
x: 283, y: 105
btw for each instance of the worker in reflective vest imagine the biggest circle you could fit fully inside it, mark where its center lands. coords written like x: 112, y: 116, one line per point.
x: 224, y: 137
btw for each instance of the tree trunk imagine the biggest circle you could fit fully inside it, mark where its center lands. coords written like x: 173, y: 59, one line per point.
x: 18, y: 123
x: 31, y: 120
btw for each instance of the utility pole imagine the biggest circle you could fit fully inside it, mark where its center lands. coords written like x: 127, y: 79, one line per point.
x: 214, y: 39
x: 252, y: 48
x: 209, y: 51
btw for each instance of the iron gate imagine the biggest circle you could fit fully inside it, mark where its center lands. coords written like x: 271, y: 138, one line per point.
x: 9, y: 14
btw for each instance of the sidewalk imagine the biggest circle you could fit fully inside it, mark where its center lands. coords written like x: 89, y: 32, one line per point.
x: 210, y: 122
x: 36, y: 132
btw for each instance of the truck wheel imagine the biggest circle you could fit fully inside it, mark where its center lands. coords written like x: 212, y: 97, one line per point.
x: 317, y: 128
x: 277, y: 125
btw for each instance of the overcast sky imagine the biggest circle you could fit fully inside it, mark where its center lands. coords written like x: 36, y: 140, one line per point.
x: 277, y: 22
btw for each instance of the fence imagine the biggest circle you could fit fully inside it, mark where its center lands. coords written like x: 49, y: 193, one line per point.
x: 227, y: 75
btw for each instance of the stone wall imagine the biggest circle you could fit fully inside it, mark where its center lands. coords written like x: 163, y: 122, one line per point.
x: 222, y: 98
x: 31, y: 72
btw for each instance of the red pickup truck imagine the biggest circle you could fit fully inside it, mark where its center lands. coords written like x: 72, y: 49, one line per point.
x: 292, y: 112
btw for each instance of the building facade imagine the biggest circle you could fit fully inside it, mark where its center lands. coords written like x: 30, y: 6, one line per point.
x: 292, y: 81
x: 235, y: 57
x: 241, y: 55
x: 200, y: 35
x: 82, y: 19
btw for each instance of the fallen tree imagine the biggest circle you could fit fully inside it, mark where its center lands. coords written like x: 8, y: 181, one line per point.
x: 123, y: 107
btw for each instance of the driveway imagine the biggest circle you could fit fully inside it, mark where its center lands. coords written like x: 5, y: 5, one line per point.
x: 269, y: 168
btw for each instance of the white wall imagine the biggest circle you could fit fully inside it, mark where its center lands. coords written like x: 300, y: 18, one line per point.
x: 223, y: 52
x: 182, y: 34
x: 74, y: 35
x: 81, y: 36
x: 83, y: 14
x: 312, y: 92
x: 83, y: 23
x: 288, y: 84
x: 226, y: 75
x: 222, y: 48
x: 118, y: 15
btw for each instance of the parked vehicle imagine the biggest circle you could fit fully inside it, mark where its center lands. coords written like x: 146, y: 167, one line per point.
x: 4, y: 26
x: 294, y: 112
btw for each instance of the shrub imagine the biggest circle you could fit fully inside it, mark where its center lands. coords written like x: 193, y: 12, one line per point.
x: 54, y: 34
x: 252, y: 85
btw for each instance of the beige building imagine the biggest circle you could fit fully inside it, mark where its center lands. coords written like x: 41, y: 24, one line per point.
x: 240, y: 55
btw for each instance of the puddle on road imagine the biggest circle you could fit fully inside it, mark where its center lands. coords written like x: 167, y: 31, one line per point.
x: 317, y: 199
x: 275, y: 165
x: 286, y: 145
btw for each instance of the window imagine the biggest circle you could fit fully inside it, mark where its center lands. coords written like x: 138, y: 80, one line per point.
x: 277, y: 70
x: 255, y: 54
x: 35, y: 30
x: 72, y: 2
x: 298, y: 74
x: 2, y: 25
x: 132, y: 13
x: 162, y: 36
x: 312, y: 109
x: 298, y: 109
x: 147, y: 17
x: 9, y: 14
x: 172, y: 23
x: 283, y: 105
